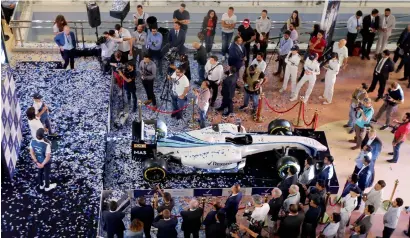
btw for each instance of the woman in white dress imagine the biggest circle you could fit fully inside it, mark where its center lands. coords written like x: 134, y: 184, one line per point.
x: 330, y: 78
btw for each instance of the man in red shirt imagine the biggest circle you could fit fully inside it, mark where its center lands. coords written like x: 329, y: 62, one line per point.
x: 400, y: 136
x: 317, y: 44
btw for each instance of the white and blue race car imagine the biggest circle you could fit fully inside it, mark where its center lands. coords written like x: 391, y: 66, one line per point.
x: 219, y: 148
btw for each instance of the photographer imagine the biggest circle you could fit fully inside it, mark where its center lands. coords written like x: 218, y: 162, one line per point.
x: 185, y: 65
x: 392, y: 99
x: 258, y: 216
x: 139, y: 38
x: 254, y: 80
x: 126, y: 45
x: 363, y: 113
x: 129, y: 83
x: 200, y: 57
x: 400, y: 135
x: 214, y: 73
x: 290, y: 226
x: 107, y: 50
x: 154, y: 44
x: 148, y: 71
x: 358, y: 96
x: 180, y: 88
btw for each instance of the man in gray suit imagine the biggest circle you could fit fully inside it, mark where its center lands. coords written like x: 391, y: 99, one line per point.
x: 387, y: 23
x: 366, y: 218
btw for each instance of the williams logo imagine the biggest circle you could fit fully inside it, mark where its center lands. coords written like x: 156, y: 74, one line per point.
x: 213, y: 163
x: 140, y: 146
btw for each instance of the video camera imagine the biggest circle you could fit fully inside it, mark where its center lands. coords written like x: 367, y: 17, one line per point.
x: 101, y: 40
x: 171, y: 55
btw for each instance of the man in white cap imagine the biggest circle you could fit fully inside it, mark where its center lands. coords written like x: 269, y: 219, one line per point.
x: 292, y: 64
x: 312, y: 69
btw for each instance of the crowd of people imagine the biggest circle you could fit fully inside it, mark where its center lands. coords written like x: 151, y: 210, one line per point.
x: 298, y: 203
x: 296, y: 208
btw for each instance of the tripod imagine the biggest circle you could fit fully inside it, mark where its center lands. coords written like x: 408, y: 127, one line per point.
x: 165, y: 93
x: 275, y: 50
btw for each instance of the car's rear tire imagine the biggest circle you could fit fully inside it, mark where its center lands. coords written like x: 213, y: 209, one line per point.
x: 280, y: 127
x: 155, y: 170
x: 284, y: 163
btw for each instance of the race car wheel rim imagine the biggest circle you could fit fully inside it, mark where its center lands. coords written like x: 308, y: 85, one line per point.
x: 154, y: 174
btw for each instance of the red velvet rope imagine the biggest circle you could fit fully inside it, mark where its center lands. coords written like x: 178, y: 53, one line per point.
x: 271, y: 108
x: 303, y: 116
x: 165, y: 112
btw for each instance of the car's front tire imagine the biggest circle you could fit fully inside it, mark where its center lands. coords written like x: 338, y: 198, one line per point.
x: 155, y: 170
x: 284, y: 163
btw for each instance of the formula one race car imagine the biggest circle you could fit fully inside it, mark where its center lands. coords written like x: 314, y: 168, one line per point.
x: 218, y: 148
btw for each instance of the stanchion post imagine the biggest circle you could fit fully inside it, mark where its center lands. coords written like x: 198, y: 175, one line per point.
x: 298, y: 120
x: 258, y: 117
x: 140, y: 110
x: 316, y: 119
x: 266, y: 198
x: 203, y: 200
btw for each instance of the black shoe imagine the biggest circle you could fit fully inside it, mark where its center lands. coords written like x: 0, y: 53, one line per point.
x: 323, y: 80
x: 212, y: 104
x: 406, y: 233
x: 369, y: 91
x: 390, y: 153
x: 173, y: 115
x: 406, y: 207
x: 368, y: 57
x: 362, y: 57
x: 253, y: 111
x: 225, y: 114
x: 392, y: 161
x: 403, y: 79
x: 242, y: 107
x: 220, y: 109
x: 377, y: 99
x: 346, y: 126
x: 384, y: 127
x: 373, y: 120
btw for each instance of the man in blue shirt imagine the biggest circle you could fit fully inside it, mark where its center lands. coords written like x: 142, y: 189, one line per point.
x: 285, y: 45
x: 66, y: 42
x: 154, y: 44
x: 40, y: 151
x: 364, y: 114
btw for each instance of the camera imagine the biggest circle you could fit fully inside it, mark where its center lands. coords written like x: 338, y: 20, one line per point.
x: 101, y: 40
x: 387, y: 96
x: 171, y: 55
x: 121, y: 67
x: 233, y: 228
x: 359, y: 106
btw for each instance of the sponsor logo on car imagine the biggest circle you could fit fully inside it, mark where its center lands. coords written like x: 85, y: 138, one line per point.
x: 213, y: 163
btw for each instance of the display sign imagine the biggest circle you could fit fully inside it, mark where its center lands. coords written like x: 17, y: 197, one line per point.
x: 329, y: 17
x: 203, y: 192
x: 262, y: 191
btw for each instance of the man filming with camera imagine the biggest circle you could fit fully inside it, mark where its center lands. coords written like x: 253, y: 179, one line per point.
x: 258, y: 216
x: 180, y: 88
x: 392, y: 99
x: 364, y: 114
x: 128, y: 75
x: 254, y: 79
x: 148, y: 71
x: 401, y: 130
x: 154, y: 46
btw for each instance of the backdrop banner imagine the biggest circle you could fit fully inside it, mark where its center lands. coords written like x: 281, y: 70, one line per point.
x: 329, y: 17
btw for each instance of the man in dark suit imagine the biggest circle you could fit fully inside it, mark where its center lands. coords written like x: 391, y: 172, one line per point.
x: 211, y: 218
x: 217, y: 229
x: 228, y: 92
x: 275, y: 205
x: 166, y: 225
x: 113, y: 224
x: 381, y: 74
x: 237, y: 54
x: 291, y: 179
x: 311, y: 218
x: 327, y: 172
x: 191, y: 219
x: 370, y: 27
x: 232, y: 205
x: 144, y: 213
x: 403, y: 46
x: 366, y: 218
x: 365, y: 177
x: 66, y: 42
x: 373, y: 141
x: 290, y: 226
x: 176, y: 38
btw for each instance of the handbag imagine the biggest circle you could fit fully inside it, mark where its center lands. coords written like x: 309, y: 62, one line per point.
x: 201, y: 36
